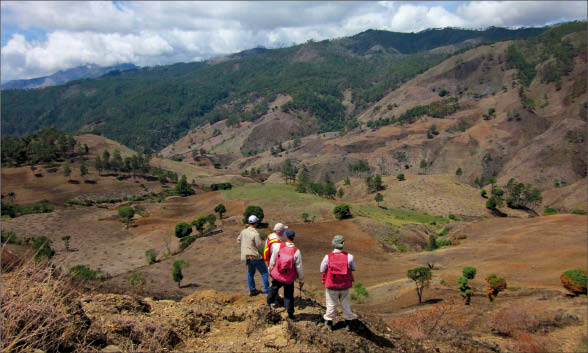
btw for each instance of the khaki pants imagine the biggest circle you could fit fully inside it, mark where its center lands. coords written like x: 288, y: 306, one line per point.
x: 334, y: 298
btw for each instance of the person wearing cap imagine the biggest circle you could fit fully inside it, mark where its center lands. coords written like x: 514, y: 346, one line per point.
x: 337, y: 276
x: 276, y: 236
x: 251, y: 250
x: 285, y: 266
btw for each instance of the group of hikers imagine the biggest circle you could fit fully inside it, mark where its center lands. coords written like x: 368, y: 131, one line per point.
x: 279, y: 258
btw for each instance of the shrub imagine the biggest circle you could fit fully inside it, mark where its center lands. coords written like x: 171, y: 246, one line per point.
x: 221, y: 186
x: 151, y: 256
x: 126, y: 213
x: 493, y: 203
x: 421, y: 277
x: 444, y: 232
x: 183, y: 229
x: 199, y: 223
x: 304, y: 217
x: 497, y: 192
x: 464, y: 288
x: 495, y: 285
x: 432, y: 243
x: 400, y: 176
x: 177, y: 274
x: 528, y: 317
x: 66, y: 239
x: 186, y: 241
x: 84, y: 272
x: 136, y: 279
x: 549, y: 211
x: 452, y: 217
x: 359, y: 293
x: 458, y: 172
x: 42, y: 247
x: 579, y: 212
x: 483, y: 193
x: 342, y: 211
x: 379, y: 198
x: 574, y: 281
x: 442, y: 242
x: 253, y: 210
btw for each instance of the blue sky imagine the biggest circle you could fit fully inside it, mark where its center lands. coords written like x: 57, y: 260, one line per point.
x: 40, y: 38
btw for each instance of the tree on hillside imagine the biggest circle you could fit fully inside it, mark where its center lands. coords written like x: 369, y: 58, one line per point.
x: 304, y: 217
x: 183, y: 188
x: 211, y: 220
x: 83, y: 169
x: 347, y: 181
x: 182, y: 230
x: 400, y: 177
x: 117, y: 161
x: 106, y: 160
x: 374, y: 183
x: 253, y: 210
x: 340, y: 193
x: 421, y: 277
x: 66, y: 169
x: 424, y: 165
x: 520, y: 195
x: 220, y: 209
x: 468, y: 273
x: 199, y: 223
x: 98, y: 164
x: 288, y: 171
x: 458, y: 172
x: 495, y: 285
x: 66, y: 239
x: 379, y: 198
x: 126, y: 213
x: 177, y: 274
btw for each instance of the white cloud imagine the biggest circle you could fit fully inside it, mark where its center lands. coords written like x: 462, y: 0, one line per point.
x: 148, y: 33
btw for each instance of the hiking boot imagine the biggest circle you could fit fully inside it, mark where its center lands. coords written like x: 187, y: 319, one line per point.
x: 329, y: 324
x: 253, y: 293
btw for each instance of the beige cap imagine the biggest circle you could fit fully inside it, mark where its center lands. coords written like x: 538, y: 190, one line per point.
x: 279, y: 227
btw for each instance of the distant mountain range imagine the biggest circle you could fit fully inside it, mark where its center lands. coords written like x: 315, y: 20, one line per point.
x: 154, y: 106
x: 64, y: 76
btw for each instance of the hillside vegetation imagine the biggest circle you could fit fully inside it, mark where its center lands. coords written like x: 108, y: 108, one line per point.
x: 154, y: 106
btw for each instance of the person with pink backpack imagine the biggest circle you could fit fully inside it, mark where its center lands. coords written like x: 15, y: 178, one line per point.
x: 337, y: 276
x: 285, y: 266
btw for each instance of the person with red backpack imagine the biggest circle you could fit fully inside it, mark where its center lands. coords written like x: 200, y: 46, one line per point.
x: 276, y: 236
x: 285, y: 266
x: 337, y: 276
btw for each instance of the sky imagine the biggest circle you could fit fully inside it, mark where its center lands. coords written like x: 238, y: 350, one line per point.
x: 40, y: 38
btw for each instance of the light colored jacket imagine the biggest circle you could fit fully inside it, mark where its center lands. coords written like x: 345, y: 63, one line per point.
x: 297, y: 260
x: 350, y: 261
x: 251, y: 244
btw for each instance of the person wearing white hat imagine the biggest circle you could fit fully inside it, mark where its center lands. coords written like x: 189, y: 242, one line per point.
x: 251, y: 250
x: 277, y: 236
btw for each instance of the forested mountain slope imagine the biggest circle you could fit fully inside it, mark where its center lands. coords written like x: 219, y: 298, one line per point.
x: 154, y: 106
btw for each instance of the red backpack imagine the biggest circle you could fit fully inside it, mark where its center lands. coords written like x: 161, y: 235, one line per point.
x: 284, y: 269
x: 338, y: 275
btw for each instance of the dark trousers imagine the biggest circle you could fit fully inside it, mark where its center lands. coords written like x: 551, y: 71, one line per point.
x: 288, y: 294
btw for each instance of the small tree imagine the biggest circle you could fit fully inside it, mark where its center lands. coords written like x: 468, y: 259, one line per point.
x: 98, y: 164
x: 211, y: 220
x: 495, y: 285
x: 126, y: 213
x: 421, y: 277
x: 177, y: 274
x: 304, y: 217
x: 458, y: 172
x: 253, y: 210
x: 42, y: 247
x: 379, y: 198
x: 493, y: 203
x: 342, y: 211
x: 464, y: 288
x: 66, y: 239
x: 199, y: 224
x: 151, y: 256
x: 183, y: 229
x: 424, y: 165
x: 66, y: 169
x: 183, y: 188
x: 220, y: 209
x: 400, y: 177
x: 340, y: 193
x: 483, y: 193
x: 83, y: 169
x: 347, y: 181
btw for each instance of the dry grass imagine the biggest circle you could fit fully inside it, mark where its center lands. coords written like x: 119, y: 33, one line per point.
x: 517, y: 319
x: 434, y: 320
x: 40, y: 310
x: 525, y: 342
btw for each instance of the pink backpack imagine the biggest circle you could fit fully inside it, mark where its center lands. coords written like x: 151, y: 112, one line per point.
x: 284, y: 270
